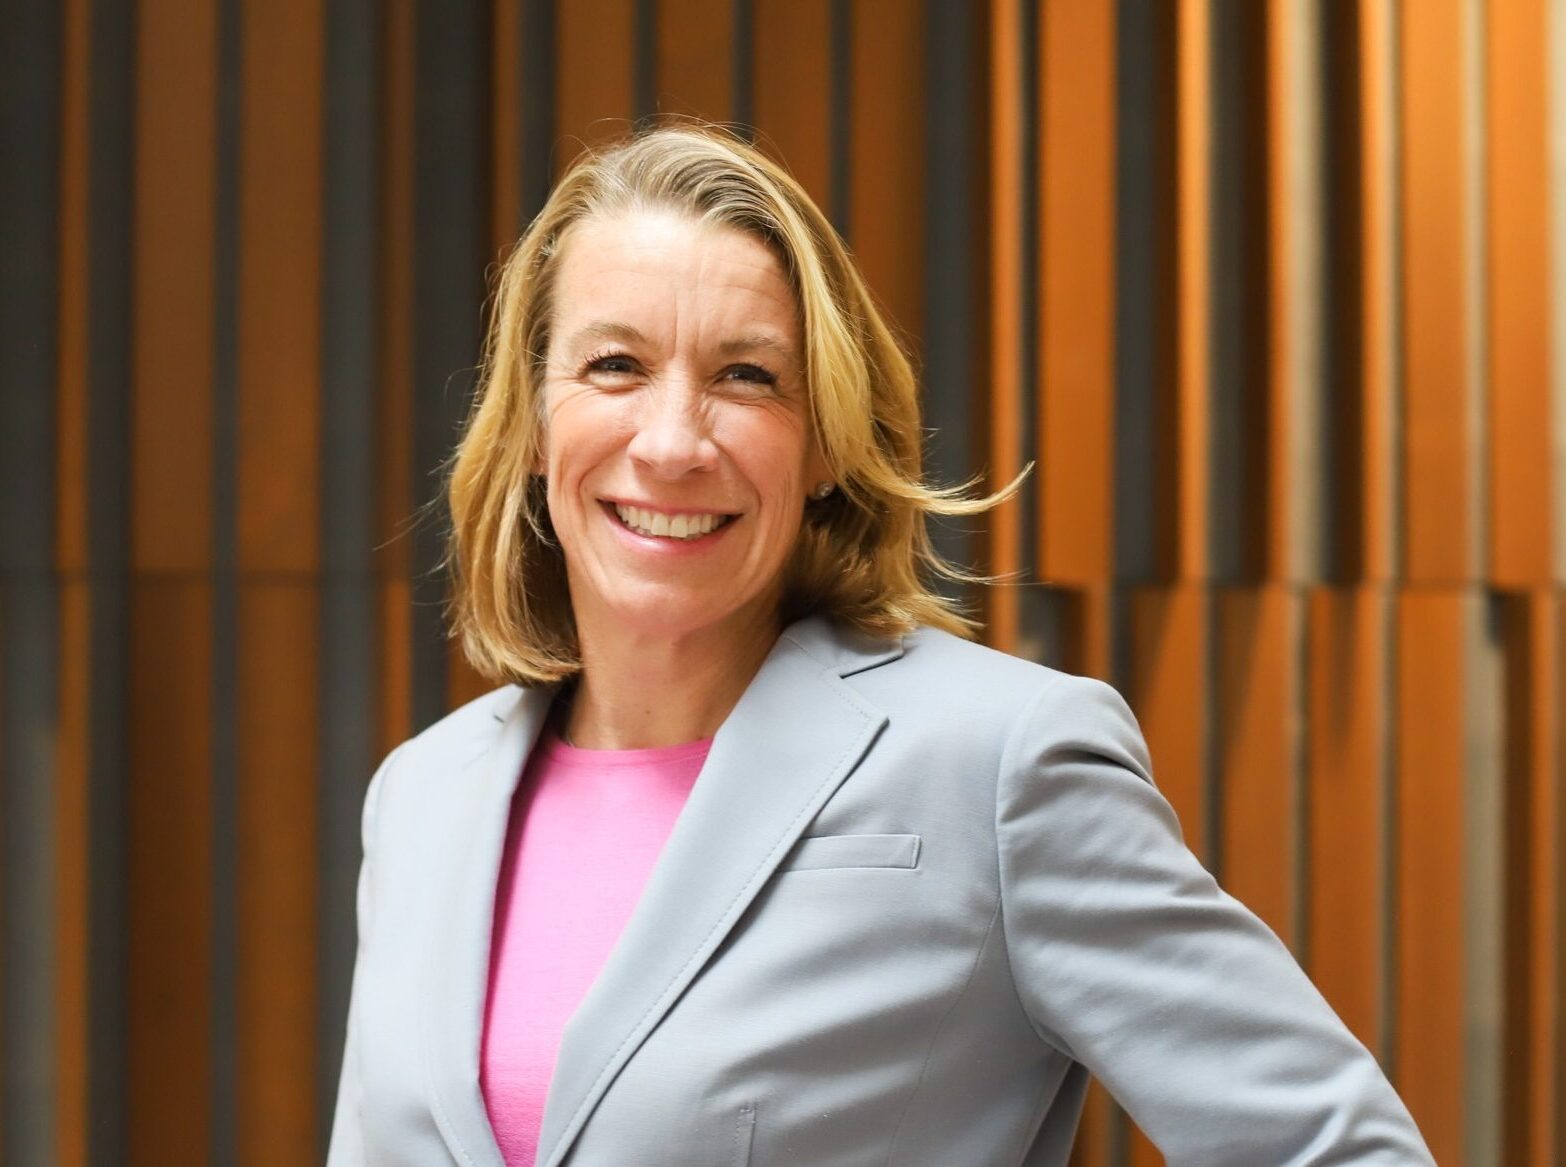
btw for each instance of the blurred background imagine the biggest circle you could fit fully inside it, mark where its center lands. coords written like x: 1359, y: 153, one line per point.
x: 1269, y: 290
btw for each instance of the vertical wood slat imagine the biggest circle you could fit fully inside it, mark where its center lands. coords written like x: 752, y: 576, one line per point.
x: 1257, y: 635
x: 72, y: 560
x: 1293, y: 453
x: 1440, y: 471
x: 1378, y: 555
x: 595, y: 51
x: 1534, y: 762
x: 1349, y: 691
x: 278, y: 558
x: 1006, y: 347
x: 394, y: 424
x: 695, y: 40
x: 793, y: 101
x: 1434, y: 657
x: 1193, y: 163
x: 1169, y: 631
x: 1077, y: 305
x: 886, y: 201
x: 1521, y: 487
x: 169, y: 990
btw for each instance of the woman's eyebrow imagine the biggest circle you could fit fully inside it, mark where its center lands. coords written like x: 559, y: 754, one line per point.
x: 606, y: 330
x: 744, y: 344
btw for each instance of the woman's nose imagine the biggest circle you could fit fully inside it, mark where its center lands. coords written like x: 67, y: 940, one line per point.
x: 672, y: 438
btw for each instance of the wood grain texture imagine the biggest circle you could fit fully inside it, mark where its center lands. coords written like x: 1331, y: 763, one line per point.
x: 1259, y: 732
x: 1077, y: 144
x: 793, y: 99
x: 1432, y: 659
x: 887, y: 136
x: 172, y: 295
x: 1007, y: 150
x: 595, y: 55
x: 1349, y: 699
x: 1520, y: 432
x: 169, y: 992
x: 695, y: 44
x: 1439, y: 472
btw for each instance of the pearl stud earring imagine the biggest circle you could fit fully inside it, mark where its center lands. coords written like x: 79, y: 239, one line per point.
x: 822, y: 490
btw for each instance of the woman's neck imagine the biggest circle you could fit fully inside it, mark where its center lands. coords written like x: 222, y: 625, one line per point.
x: 643, y: 691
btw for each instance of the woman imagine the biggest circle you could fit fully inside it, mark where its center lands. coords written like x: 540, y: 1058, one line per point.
x: 758, y: 860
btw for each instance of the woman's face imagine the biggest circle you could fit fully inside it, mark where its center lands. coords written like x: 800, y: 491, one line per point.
x: 677, y: 440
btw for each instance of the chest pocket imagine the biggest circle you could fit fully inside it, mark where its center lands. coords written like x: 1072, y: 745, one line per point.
x: 831, y: 852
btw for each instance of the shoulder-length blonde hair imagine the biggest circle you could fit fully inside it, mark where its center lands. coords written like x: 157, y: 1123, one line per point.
x: 863, y: 555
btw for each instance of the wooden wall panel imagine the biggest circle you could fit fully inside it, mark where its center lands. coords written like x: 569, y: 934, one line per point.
x: 1188, y: 511
x: 887, y: 158
x: 1349, y: 703
x: 394, y: 412
x: 1440, y: 465
x: 278, y: 558
x: 1433, y: 658
x: 1258, y: 724
x: 1077, y: 301
x: 792, y: 65
x: 695, y: 45
x: 1520, y: 431
x: 595, y: 54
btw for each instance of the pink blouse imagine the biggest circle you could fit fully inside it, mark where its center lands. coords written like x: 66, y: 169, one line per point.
x: 586, y: 827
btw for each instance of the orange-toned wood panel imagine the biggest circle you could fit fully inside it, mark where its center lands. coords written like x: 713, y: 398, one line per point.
x: 1292, y: 452
x: 1439, y: 414
x: 279, y: 338
x: 72, y: 559
x: 1169, y: 630
x: 73, y: 845
x: 1521, y: 546
x: 1432, y: 661
x: 1378, y: 555
x: 171, y: 408
x: 887, y: 112
x: 1193, y: 169
x: 1349, y: 680
x: 277, y: 528
x: 169, y: 989
x: 169, y: 993
x: 793, y: 79
x: 394, y: 396
x: 1257, y: 636
x: 595, y: 71
x: 1532, y: 644
x: 276, y: 989
x: 1007, y: 126
x: 695, y: 48
x: 1077, y: 300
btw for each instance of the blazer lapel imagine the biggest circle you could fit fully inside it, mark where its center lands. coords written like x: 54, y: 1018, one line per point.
x: 794, y: 736
x: 457, y: 965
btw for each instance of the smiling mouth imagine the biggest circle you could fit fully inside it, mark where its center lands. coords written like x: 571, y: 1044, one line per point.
x: 662, y: 525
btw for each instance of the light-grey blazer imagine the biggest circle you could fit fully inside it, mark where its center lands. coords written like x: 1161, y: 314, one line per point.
x: 919, y: 891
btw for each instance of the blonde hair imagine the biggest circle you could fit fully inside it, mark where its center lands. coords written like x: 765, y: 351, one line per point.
x: 863, y: 554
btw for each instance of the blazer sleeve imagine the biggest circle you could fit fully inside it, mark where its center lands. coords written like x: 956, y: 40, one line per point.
x: 1130, y: 959
x: 347, y: 1147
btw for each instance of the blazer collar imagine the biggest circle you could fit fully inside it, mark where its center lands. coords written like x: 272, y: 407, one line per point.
x: 795, y: 734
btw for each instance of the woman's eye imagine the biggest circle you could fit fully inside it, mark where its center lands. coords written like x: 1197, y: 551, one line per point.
x: 613, y: 364
x: 752, y: 374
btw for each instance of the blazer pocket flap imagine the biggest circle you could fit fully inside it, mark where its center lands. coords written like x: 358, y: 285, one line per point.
x: 828, y: 851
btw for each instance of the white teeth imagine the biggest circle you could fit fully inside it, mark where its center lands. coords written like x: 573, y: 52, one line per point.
x: 659, y: 524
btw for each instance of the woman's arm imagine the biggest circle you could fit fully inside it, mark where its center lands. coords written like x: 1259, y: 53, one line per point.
x: 1131, y: 960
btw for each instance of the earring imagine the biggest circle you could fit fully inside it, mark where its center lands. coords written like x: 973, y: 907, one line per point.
x: 822, y: 490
